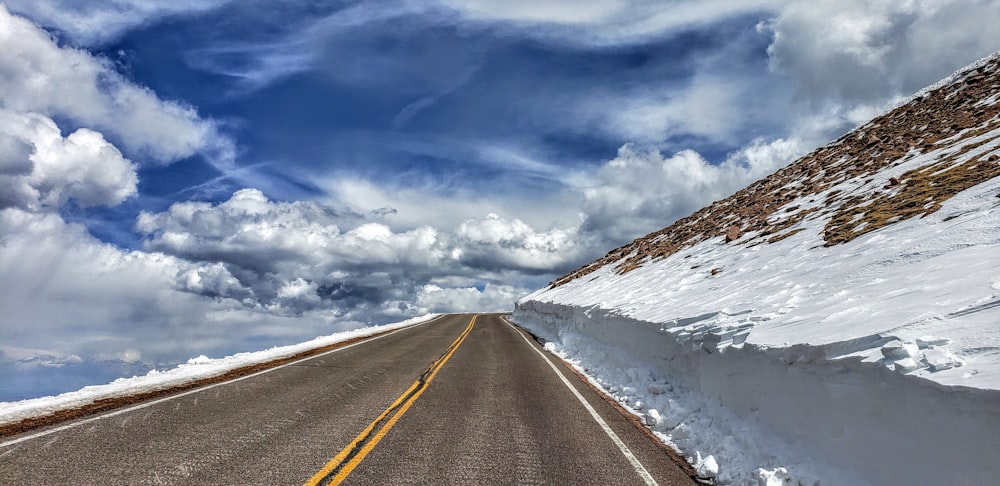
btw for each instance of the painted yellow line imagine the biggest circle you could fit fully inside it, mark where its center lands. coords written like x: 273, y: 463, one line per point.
x: 335, y: 471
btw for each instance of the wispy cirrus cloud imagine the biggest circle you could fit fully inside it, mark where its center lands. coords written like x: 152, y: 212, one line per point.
x: 331, y: 38
x: 616, y: 22
x: 90, y: 23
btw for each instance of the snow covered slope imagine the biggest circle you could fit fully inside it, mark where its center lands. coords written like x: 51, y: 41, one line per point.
x: 836, y: 321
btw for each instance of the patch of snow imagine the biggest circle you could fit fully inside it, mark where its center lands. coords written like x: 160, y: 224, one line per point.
x: 707, y: 467
x: 924, y: 342
x: 905, y: 365
x: 776, y: 477
x: 899, y: 350
x: 652, y: 417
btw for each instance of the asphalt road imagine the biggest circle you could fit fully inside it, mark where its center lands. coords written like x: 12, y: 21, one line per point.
x: 452, y: 401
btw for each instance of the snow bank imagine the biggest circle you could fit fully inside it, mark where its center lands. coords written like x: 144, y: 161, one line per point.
x: 876, y: 361
x: 195, y: 369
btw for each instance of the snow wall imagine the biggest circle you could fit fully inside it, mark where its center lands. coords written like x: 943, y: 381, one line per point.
x: 749, y: 414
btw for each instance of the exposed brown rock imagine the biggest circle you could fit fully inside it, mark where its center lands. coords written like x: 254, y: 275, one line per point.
x: 733, y: 233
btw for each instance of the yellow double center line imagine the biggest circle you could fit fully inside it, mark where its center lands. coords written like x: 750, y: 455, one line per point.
x: 335, y: 471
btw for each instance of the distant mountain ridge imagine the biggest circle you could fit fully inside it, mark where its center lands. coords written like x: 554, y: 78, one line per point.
x: 950, y: 120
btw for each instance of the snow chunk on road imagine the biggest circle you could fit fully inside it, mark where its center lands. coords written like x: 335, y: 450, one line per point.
x: 776, y: 477
x: 899, y: 350
x: 924, y: 342
x: 940, y: 359
x: 707, y: 467
x: 652, y: 417
x: 906, y: 365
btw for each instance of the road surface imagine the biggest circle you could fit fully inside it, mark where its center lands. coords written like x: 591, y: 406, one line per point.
x: 459, y: 400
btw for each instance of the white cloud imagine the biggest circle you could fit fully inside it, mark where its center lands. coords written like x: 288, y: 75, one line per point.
x: 845, y: 59
x: 213, y: 280
x: 337, y: 36
x: 87, y: 22
x: 40, y: 169
x: 297, y: 257
x: 299, y: 292
x: 496, y: 243
x: 640, y: 191
x: 59, y: 281
x: 72, y: 301
x: 606, y: 23
x: 707, y: 106
x: 446, y: 208
x: 36, y: 75
x: 257, y: 234
x: 492, y: 298
x: 553, y: 11
x: 861, y: 51
x: 760, y: 158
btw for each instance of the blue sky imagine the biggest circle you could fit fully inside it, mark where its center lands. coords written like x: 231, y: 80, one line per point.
x: 208, y: 177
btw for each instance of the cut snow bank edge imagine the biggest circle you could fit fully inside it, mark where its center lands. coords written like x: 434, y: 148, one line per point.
x: 754, y: 415
x: 194, y: 370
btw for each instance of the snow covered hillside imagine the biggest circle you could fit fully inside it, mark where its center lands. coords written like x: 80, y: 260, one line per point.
x: 838, y: 321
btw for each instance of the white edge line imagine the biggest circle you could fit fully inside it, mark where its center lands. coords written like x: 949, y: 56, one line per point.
x: 200, y: 389
x: 643, y: 473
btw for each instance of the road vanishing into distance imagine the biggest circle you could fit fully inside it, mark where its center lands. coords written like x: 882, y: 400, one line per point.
x: 461, y: 399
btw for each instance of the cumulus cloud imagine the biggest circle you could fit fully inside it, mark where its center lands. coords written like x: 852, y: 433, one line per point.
x: 36, y: 75
x: 863, y: 51
x: 492, y: 298
x: 90, y: 23
x: 641, y: 190
x: 60, y: 281
x: 42, y: 170
x: 98, y: 312
x: 212, y: 280
x: 74, y: 302
x: 496, y: 243
x: 263, y: 237
x: 298, y: 256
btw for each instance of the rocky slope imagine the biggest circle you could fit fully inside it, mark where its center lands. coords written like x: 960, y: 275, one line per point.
x: 955, y: 120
